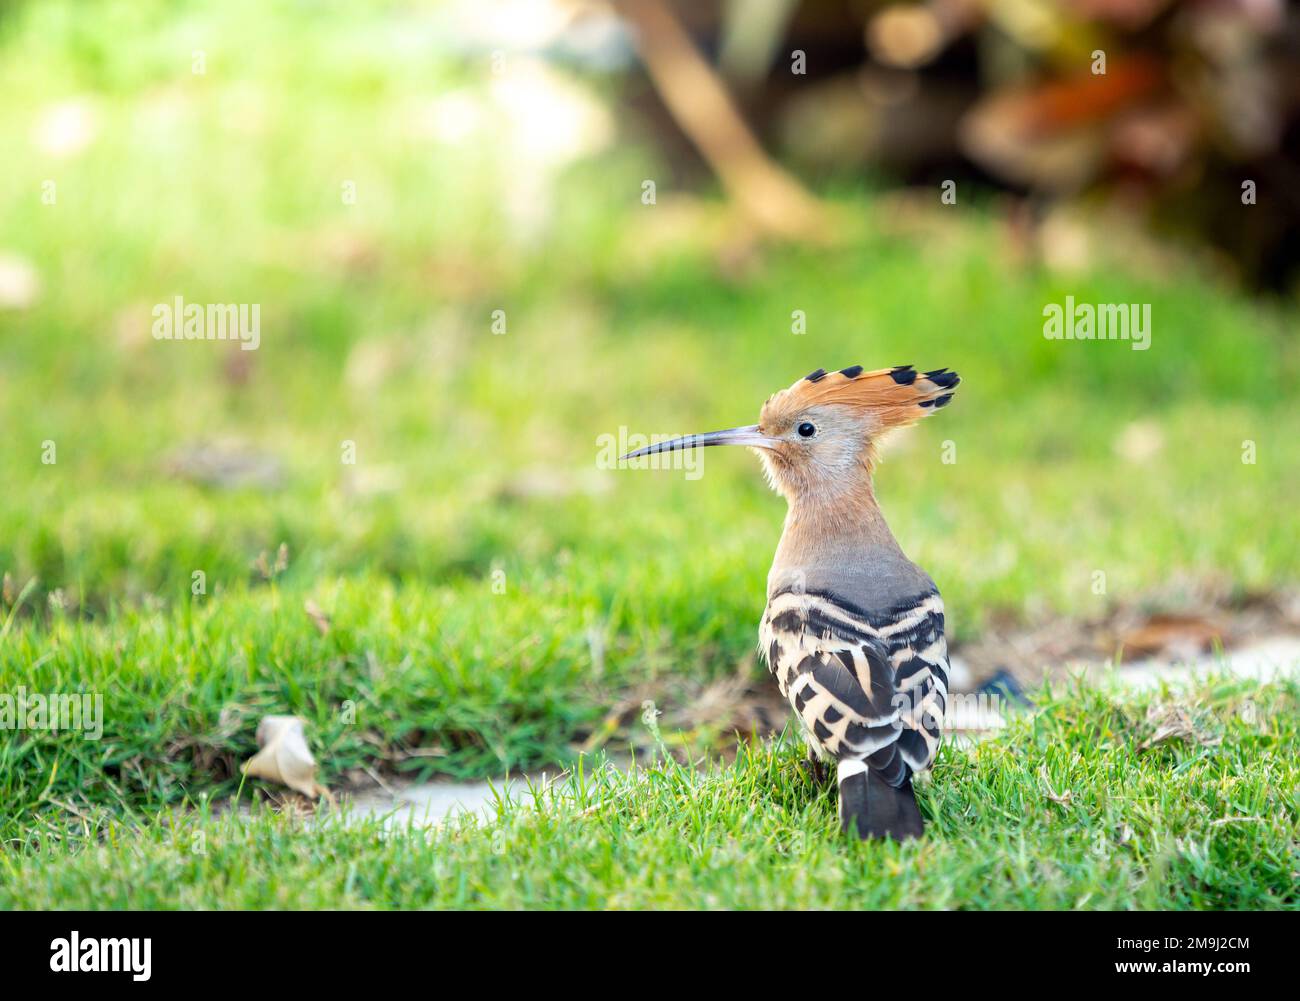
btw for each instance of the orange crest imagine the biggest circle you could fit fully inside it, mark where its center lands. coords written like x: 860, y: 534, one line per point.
x: 887, y: 397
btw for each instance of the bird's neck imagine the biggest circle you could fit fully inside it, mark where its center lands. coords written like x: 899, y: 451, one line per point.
x: 822, y: 530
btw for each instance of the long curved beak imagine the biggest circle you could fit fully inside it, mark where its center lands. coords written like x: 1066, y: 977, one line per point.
x: 749, y: 436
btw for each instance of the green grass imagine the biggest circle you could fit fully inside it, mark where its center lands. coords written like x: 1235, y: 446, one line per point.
x: 1211, y: 822
x: 376, y: 317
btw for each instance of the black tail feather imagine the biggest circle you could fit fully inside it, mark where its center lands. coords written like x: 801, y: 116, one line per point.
x: 874, y: 809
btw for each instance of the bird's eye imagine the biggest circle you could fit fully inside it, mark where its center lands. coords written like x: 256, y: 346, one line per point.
x: 806, y: 430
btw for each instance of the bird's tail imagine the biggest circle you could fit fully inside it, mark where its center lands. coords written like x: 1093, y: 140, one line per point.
x: 872, y: 808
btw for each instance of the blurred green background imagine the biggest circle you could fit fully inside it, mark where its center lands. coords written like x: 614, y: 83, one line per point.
x: 498, y: 155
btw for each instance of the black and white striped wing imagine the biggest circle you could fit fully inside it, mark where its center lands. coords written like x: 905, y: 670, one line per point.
x: 867, y: 686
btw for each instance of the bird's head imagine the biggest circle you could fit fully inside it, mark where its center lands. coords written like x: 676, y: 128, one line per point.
x: 818, y: 437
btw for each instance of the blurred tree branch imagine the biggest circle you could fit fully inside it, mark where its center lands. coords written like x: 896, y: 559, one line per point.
x: 770, y: 197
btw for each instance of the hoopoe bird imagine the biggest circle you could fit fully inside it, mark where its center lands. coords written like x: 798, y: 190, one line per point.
x: 853, y: 629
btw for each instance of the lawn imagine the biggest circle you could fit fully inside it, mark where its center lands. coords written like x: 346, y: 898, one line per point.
x: 487, y: 591
x: 1073, y: 807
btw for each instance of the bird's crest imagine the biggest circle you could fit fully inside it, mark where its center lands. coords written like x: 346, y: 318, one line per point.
x: 890, y: 397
